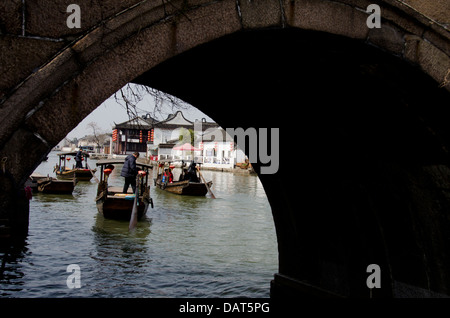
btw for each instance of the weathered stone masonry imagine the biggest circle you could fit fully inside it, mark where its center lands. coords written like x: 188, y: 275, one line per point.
x: 53, y: 77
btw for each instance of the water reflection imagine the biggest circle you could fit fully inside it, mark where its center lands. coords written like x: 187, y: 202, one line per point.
x: 115, y: 228
x: 11, y: 271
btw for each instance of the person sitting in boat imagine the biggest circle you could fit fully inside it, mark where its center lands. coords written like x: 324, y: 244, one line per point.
x: 183, y: 175
x: 164, y: 176
x: 129, y: 172
x: 79, y: 159
x: 170, y: 175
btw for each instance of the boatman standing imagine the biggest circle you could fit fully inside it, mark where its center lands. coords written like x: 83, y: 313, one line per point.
x: 78, y: 159
x: 129, y: 172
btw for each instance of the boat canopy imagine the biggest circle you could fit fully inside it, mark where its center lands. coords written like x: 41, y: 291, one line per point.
x: 178, y: 160
x: 72, y: 153
x: 118, y: 161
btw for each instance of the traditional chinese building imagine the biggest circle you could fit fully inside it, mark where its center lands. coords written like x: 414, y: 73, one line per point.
x: 133, y: 135
x: 167, y: 133
x: 158, y: 140
x: 148, y: 135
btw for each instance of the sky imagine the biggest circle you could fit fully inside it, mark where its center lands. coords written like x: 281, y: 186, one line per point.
x: 110, y: 113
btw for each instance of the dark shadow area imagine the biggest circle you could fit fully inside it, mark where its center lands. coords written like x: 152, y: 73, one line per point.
x: 363, y: 174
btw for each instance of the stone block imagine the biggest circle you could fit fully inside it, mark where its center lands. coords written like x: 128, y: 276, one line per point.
x: 327, y: 16
x: 204, y: 24
x: 439, y: 38
x: 388, y: 37
x: 401, y: 20
x: 361, y: 4
x: 48, y: 18
x: 438, y: 10
x: 410, y: 52
x: 434, y: 62
x: 21, y: 57
x: 11, y: 17
x: 260, y: 13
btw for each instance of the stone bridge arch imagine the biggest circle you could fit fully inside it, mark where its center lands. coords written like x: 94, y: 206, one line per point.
x: 55, y: 76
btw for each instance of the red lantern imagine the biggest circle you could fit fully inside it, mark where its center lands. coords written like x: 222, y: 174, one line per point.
x: 107, y: 171
x: 114, y: 135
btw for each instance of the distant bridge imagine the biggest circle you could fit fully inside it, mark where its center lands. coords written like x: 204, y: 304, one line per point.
x: 364, y: 176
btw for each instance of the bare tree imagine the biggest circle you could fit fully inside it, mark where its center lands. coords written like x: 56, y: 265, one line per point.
x: 131, y: 95
x: 98, y: 136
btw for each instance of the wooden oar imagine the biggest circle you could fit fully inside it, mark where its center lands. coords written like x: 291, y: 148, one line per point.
x: 93, y: 174
x: 206, y: 184
x: 134, y: 212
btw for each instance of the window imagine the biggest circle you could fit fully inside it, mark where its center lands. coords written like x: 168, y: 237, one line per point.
x: 139, y: 147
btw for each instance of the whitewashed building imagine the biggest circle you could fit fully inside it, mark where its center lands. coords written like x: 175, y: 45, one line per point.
x: 166, y: 135
x: 213, y: 146
x: 219, y: 149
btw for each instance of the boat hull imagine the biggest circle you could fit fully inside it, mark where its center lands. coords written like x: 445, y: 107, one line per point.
x: 185, y: 187
x: 112, y: 203
x: 117, y: 206
x: 120, y: 209
x: 79, y: 174
x: 54, y: 186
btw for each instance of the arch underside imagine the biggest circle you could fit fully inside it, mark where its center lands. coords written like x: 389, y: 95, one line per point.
x: 363, y: 175
x: 361, y: 165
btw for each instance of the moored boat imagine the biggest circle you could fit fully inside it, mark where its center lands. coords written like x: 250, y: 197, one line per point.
x: 33, y: 179
x: 55, y: 186
x: 63, y: 171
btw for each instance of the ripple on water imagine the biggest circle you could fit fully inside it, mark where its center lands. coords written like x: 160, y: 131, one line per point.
x: 193, y: 247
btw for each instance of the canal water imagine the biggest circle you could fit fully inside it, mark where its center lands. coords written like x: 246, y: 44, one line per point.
x: 187, y: 246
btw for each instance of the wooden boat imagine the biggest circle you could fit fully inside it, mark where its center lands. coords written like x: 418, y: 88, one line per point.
x: 112, y: 202
x: 55, y: 186
x: 66, y: 173
x: 33, y: 179
x: 184, y: 187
